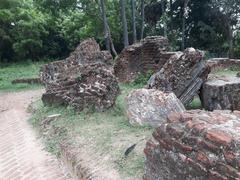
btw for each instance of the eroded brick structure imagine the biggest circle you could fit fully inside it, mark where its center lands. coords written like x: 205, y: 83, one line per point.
x: 84, y: 80
x: 217, y: 64
x: 221, y: 93
x: 195, y: 145
x: 184, y: 74
x: 148, y: 55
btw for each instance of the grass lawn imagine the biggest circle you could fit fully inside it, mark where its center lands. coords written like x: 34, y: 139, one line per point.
x: 14, y: 71
x: 104, y: 135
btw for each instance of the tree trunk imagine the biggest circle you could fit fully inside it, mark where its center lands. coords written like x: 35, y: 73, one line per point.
x: 124, y: 23
x: 184, y: 23
x: 142, y: 17
x: 134, y: 21
x: 230, y: 39
x: 104, y: 17
x: 163, y: 14
x: 111, y: 42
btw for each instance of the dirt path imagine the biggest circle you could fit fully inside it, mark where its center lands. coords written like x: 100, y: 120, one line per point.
x: 21, y: 155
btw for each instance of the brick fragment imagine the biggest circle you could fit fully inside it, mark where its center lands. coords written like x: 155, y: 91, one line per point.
x: 218, y: 137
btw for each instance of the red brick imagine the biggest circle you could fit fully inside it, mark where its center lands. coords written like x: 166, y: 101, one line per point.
x: 198, y: 127
x: 182, y: 147
x: 231, y: 158
x: 227, y: 170
x: 203, y: 145
x: 213, y: 175
x: 197, y: 167
x: 186, y: 117
x: 166, y: 144
x: 174, y: 117
x: 202, y: 158
x: 219, y: 137
x: 174, y: 131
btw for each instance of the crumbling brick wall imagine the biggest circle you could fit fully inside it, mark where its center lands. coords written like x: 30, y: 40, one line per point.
x: 195, y: 145
x: 217, y: 64
x: 148, y: 55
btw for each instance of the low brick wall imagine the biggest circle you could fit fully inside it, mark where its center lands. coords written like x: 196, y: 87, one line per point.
x: 195, y: 145
x: 217, y: 64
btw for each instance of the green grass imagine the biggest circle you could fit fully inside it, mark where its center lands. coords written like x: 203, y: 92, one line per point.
x: 14, y: 71
x: 105, y: 133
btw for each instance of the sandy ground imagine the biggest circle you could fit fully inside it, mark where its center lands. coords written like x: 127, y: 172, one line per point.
x: 22, y: 156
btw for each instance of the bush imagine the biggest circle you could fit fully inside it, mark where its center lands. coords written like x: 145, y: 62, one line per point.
x: 142, y: 78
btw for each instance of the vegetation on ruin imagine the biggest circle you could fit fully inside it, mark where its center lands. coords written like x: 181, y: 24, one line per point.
x: 105, y: 133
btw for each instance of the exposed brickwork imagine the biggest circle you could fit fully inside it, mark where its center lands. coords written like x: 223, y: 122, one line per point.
x: 21, y: 155
x: 182, y: 74
x: 148, y: 55
x: 83, y: 80
x: 195, y: 145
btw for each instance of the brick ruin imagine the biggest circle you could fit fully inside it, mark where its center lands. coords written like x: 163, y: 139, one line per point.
x: 195, y: 145
x: 83, y: 80
x: 148, y: 55
x: 217, y: 64
x: 221, y: 93
x: 184, y: 73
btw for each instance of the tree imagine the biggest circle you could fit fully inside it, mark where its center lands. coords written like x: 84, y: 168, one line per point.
x: 184, y: 23
x: 134, y: 21
x: 124, y: 23
x: 104, y: 17
x: 229, y: 10
x: 142, y: 18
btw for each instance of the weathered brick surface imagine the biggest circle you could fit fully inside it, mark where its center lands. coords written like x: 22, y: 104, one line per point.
x: 22, y: 156
x: 182, y: 74
x: 84, y: 79
x: 148, y: 55
x: 221, y: 93
x: 195, y: 145
x: 151, y: 107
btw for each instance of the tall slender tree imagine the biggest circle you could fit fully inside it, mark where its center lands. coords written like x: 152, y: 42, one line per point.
x: 124, y: 23
x: 104, y: 17
x: 164, y: 15
x: 134, y: 21
x: 184, y: 23
x: 142, y: 18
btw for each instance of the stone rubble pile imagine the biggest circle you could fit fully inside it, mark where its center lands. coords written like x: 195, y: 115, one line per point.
x: 195, y: 145
x: 151, y: 107
x: 148, y: 55
x: 183, y: 74
x: 83, y: 80
x: 221, y: 94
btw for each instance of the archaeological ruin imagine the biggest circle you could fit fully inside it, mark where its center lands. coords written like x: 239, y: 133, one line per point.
x: 186, y: 144
x: 195, y: 145
x: 83, y: 80
x: 183, y: 74
x: 148, y: 55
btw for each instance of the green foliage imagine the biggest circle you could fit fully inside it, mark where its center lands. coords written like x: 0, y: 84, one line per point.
x: 237, y: 46
x: 36, y: 29
x: 17, y: 70
x: 142, y: 78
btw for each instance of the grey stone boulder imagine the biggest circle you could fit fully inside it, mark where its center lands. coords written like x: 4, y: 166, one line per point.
x: 151, y: 107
